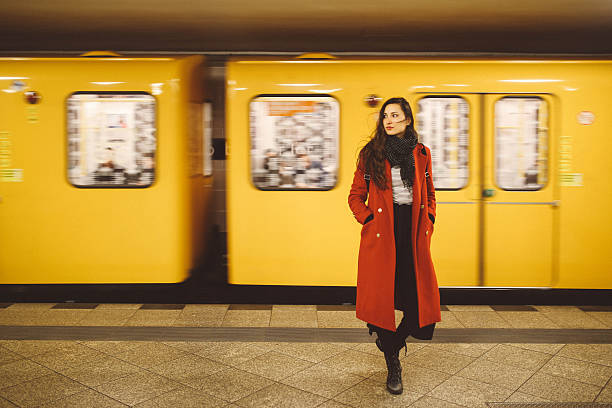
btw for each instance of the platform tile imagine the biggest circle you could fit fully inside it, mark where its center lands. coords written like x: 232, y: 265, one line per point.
x: 153, y: 318
x: 102, y: 370
x: 540, y: 347
x: 431, y: 402
x: 495, y: 373
x: 368, y: 394
x: 84, y: 399
x: 594, y: 353
x: 31, y: 306
x: 469, y: 308
x: 201, y: 318
x: 112, y: 347
x: 606, y: 393
x: 233, y: 384
x: 247, y: 318
x: 478, y: 319
x: 528, y: 320
x: 573, y: 318
x: 20, y: 371
x: 357, y: 363
x: 322, y: 380
x: 21, y: 317
x: 604, y: 317
x: 62, y: 317
x: 314, y: 352
x: 274, y: 366
x: 280, y: 396
x: 71, y: 355
x: 518, y: 396
x: 29, y: 348
x: 339, y: 319
x: 559, y: 389
x: 469, y: 393
x: 333, y: 404
x: 466, y: 349
x: 517, y: 356
x: 439, y: 360
x: 449, y: 321
x: 230, y: 353
x: 149, y: 354
x: 293, y: 318
x: 6, y: 403
x: 578, y: 370
x: 40, y: 390
x: 137, y: 387
x: 119, y: 306
x: 7, y: 356
x: 107, y: 317
x: 188, y: 369
x: 184, y: 397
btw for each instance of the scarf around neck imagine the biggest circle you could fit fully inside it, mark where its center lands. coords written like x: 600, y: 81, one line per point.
x: 399, y: 151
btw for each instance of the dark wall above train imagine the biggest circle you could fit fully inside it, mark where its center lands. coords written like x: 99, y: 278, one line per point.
x: 526, y: 26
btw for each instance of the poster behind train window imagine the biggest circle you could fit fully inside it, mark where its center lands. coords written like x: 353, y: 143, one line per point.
x: 443, y: 126
x: 521, y: 143
x: 294, y: 142
x: 111, y: 139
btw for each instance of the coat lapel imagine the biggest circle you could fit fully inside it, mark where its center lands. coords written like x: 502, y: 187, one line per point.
x: 420, y: 161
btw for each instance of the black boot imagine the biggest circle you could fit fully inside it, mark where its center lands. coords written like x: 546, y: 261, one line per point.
x: 394, y: 376
x: 388, y: 344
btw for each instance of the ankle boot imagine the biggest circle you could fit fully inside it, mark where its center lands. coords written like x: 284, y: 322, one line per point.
x: 394, y: 376
x: 379, y: 344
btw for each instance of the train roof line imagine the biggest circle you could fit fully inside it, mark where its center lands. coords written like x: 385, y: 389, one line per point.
x: 73, y: 53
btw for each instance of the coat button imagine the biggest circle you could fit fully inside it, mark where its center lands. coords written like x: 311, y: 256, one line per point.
x: 377, y: 235
x: 422, y: 205
x: 380, y: 210
x: 426, y: 232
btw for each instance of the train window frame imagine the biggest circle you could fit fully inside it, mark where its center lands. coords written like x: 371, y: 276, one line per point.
x: 547, y: 141
x: 337, y: 140
x: 468, y: 150
x: 68, y: 140
x: 207, y: 131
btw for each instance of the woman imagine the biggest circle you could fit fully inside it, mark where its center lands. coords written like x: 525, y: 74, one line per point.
x: 395, y: 267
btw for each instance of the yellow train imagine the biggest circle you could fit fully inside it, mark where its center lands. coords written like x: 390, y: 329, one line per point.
x: 102, y: 173
x: 520, y: 154
x: 105, y: 172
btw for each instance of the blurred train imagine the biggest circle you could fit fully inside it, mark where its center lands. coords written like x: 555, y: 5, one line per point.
x: 106, y: 174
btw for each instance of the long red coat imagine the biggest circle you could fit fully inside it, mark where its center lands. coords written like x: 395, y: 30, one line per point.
x: 376, y: 275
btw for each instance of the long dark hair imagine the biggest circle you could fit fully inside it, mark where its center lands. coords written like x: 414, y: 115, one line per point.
x: 372, y: 155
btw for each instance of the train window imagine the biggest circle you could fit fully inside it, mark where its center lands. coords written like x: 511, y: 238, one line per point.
x: 443, y: 126
x: 111, y: 139
x: 294, y: 142
x: 521, y: 143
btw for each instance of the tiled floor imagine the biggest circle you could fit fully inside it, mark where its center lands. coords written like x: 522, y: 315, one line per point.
x: 240, y: 373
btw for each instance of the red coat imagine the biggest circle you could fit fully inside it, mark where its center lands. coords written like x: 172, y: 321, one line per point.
x: 376, y: 275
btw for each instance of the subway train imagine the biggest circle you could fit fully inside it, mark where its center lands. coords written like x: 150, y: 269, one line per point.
x: 106, y: 167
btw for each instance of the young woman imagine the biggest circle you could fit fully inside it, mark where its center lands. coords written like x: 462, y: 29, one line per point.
x: 395, y: 267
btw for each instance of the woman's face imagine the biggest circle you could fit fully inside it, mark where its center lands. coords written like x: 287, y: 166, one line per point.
x: 394, y: 120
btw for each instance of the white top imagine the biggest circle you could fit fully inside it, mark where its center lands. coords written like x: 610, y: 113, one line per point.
x: 401, y: 194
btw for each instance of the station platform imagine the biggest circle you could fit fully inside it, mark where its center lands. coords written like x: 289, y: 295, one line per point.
x: 237, y: 355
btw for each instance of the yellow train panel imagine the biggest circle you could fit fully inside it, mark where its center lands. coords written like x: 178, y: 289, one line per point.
x: 55, y: 232
x: 487, y: 233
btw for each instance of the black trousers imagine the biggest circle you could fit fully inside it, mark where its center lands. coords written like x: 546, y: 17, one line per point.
x: 406, y: 296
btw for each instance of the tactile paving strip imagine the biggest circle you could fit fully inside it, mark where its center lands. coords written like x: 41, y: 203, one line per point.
x: 282, y: 334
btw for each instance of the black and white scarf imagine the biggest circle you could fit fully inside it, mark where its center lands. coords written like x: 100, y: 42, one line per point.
x: 400, y: 152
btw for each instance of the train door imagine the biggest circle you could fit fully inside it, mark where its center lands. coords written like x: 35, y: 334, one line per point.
x: 518, y: 195
x: 492, y: 168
